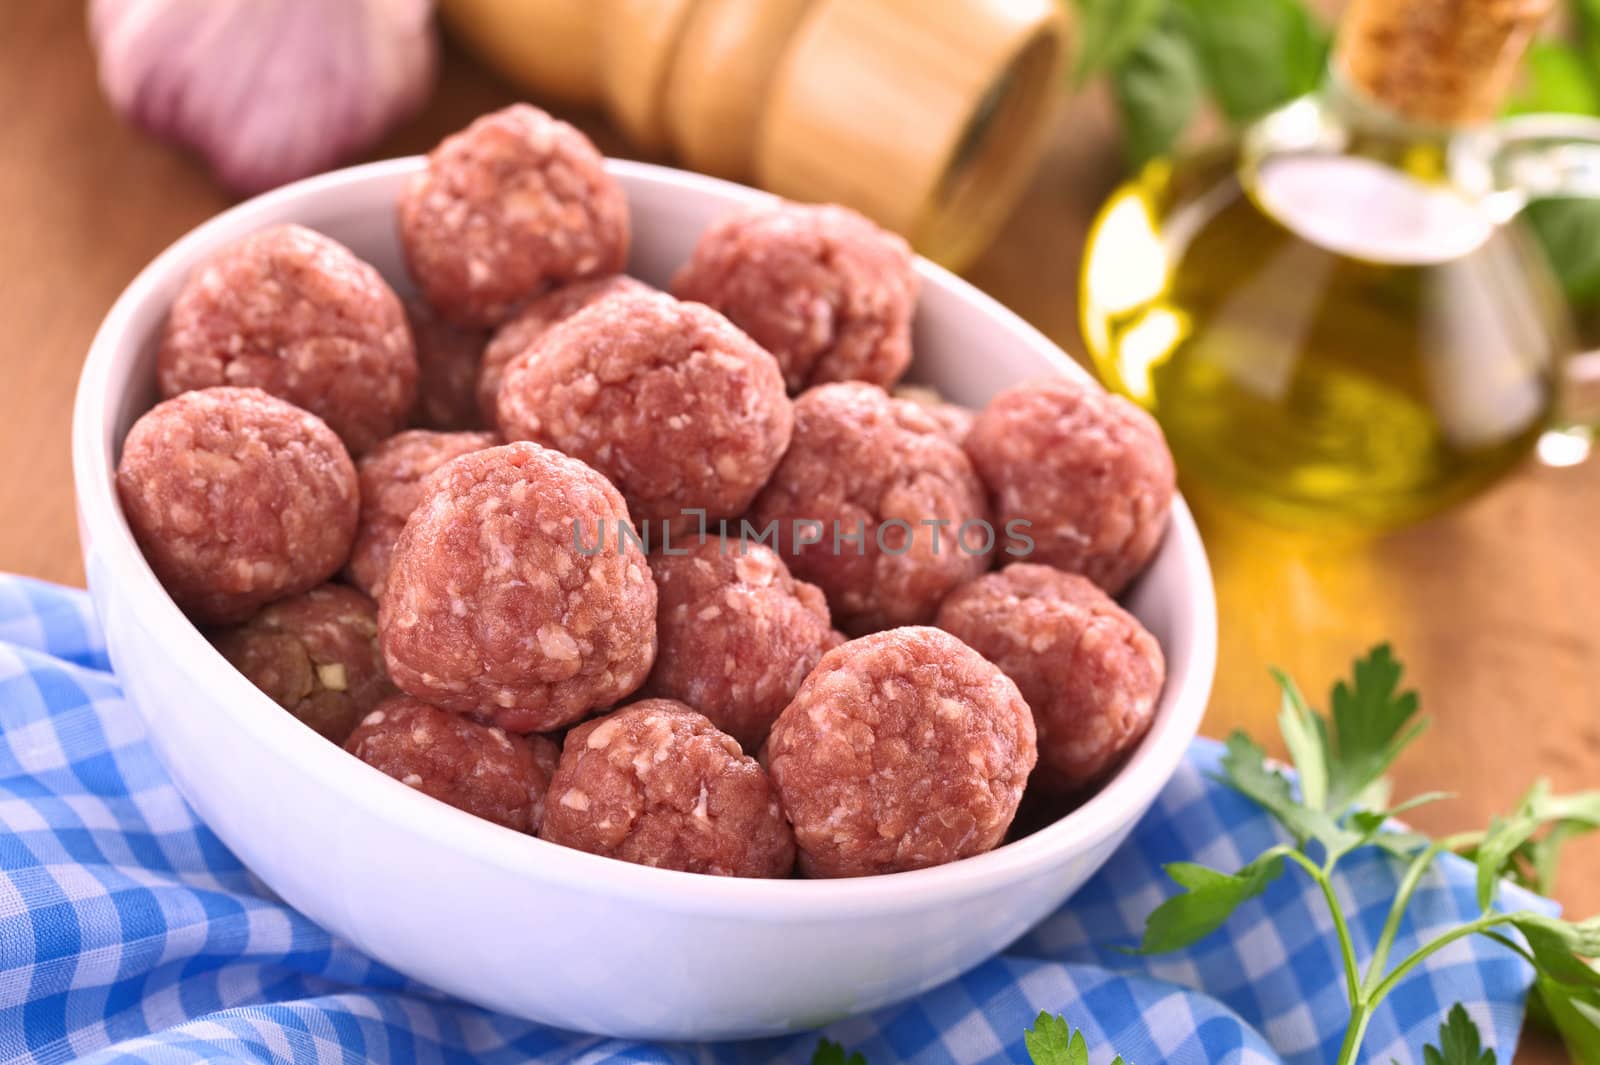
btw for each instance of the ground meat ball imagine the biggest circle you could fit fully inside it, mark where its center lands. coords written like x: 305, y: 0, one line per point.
x: 861, y: 460
x: 1090, y: 471
x: 902, y: 750
x: 829, y: 293
x: 493, y: 608
x: 392, y: 476
x: 236, y: 498
x: 1088, y: 668
x: 316, y: 655
x: 677, y: 407
x: 295, y: 313
x: 737, y: 634
x: 473, y: 767
x: 514, y: 204
x: 448, y: 359
x: 517, y: 335
x: 955, y: 422
x: 656, y: 784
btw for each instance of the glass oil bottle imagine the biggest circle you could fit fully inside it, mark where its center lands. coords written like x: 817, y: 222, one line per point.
x: 1337, y: 320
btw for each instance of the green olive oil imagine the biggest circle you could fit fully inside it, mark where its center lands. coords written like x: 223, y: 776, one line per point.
x: 1332, y: 340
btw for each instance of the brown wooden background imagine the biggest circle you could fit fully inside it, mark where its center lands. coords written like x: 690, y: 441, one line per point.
x: 1496, y: 608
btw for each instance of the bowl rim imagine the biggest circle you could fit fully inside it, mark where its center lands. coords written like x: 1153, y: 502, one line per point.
x: 1114, y: 808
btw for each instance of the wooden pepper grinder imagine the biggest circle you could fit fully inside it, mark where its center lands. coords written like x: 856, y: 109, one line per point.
x: 928, y: 118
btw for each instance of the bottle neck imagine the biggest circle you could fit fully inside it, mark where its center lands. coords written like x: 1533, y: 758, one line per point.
x: 1340, y: 119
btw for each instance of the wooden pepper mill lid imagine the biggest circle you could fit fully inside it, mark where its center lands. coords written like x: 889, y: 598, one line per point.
x: 927, y: 118
x: 1438, y: 62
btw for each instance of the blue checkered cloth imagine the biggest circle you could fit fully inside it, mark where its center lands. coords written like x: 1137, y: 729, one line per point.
x: 128, y: 933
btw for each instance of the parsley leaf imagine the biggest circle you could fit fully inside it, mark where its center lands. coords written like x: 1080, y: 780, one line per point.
x: 1208, y: 900
x: 1575, y: 1014
x: 1371, y: 726
x: 1557, y: 79
x: 1340, y: 762
x: 1306, y: 735
x: 1109, y: 30
x: 830, y: 1053
x: 1569, y: 233
x: 1459, y: 1042
x: 1052, y: 1041
x: 1371, y: 825
x: 1559, y: 947
x: 1245, y: 765
x: 1257, y: 54
x: 1510, y: 840
x: 1158, y: 89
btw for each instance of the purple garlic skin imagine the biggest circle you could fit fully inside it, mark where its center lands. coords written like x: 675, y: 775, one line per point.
x: 265, y: 92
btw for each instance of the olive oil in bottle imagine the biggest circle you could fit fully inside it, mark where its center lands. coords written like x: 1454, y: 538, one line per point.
x: 1331, y: 319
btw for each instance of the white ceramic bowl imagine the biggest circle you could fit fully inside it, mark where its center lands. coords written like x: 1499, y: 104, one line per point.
x: 520, y: 925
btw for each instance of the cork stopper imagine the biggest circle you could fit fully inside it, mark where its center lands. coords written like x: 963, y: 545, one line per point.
x: 1440, y: 62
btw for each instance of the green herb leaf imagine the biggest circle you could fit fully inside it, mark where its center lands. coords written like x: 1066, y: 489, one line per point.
x: 1459, y: 1042
x: 1051, y: 1041
x: 1370, y: 728
x: 1256, y: 54
x: 1585, y: 15
x: 1209, y: 899
x: 1543, y: 856
x: 1569, y: 233
x: 1370, y: 824
x: 1108, y: 30
x: 1306, y: 735
x: 1399, y: 844
x: 1575, y: 1015
x: 1157, y: 88
x: 1510, y: 838
x: 1247, y: 771
x: 830, y: 1053
x: 1557, y: 80
x: 1569, y: 230
x: 1560, y: 947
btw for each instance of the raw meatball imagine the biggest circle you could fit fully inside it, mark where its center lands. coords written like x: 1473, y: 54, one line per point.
x: 902, y: 750
x: 955, y: 422
x: 473, y: 767
x: 1087, y: 667
x: 864, y: 464
x: 510, y: 596
x: 656, y: 784
x: 517, y: 335
x: 392, y: 476
x: 1089, y: 471
x: 448, y: 358
x: 295, y: 313
x: 515, y: 204
x: 826, y: 291
x: 677, y: 407
x: 737, y: 634
x: 316, y: 655
x: 236, y: 498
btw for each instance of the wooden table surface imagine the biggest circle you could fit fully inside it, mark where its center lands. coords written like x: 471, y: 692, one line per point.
x: 1495, y: 608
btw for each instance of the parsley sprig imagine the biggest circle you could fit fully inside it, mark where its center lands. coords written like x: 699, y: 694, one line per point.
x: 1342, y: 805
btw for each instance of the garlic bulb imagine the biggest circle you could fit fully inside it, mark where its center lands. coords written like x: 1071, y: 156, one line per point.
x: 266, y: 90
